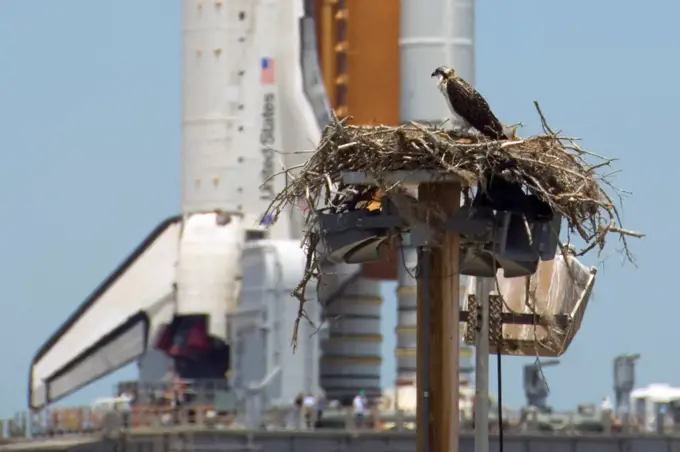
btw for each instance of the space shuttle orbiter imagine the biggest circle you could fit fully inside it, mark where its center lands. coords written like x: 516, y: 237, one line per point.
x: 244, y: 96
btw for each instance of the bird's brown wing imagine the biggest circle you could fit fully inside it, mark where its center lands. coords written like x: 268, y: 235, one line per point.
x: 469, y: 104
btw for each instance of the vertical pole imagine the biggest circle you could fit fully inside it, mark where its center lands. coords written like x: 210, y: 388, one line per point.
x: 423, y: 343
x: 438, y: 318
x: 482, y: 290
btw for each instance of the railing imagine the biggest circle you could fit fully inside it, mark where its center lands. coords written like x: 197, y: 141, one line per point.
x: 213, y: 404
x: 205, y: 391
x: 142, y: 417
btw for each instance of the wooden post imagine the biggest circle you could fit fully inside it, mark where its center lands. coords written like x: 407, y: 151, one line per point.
x: 438, y: 360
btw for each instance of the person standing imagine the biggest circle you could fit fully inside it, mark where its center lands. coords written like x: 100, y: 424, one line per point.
x: 309, y: 406
x: 359, y: 408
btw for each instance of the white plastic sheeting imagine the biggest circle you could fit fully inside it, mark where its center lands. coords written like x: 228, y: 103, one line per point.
x: 556, y: 288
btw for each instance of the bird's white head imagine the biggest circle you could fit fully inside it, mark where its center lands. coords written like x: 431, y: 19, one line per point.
x: 443, y: 73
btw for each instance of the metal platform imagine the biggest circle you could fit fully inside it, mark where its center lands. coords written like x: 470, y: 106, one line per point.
x: 201, y: 440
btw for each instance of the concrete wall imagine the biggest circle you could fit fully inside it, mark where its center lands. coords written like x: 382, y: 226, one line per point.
x: 343, y: 442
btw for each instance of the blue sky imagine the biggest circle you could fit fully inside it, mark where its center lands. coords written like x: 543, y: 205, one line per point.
x: 89, y: 120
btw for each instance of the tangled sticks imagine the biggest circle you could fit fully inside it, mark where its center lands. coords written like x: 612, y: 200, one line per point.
x: 552, y: 166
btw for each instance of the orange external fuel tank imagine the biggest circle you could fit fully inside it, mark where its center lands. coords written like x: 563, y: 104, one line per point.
x: 359, y: 58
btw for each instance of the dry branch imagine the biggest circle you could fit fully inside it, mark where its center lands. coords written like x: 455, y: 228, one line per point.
x: 554, y: 167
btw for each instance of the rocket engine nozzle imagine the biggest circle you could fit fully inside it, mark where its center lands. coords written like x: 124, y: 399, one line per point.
x: 185, y: 336
x: 196, y: 354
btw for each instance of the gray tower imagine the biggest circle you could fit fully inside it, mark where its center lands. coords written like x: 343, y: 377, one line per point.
x: 535, y: 386
x: 624, y: 382
x: 433, y: 33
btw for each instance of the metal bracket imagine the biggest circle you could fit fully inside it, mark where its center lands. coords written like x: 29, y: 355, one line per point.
x: 401, y: 177
x: 358, y: 219
x: 490, y: 239
x: 467, y: 221
x: 476, y: 224
x: 512, y: 318
x: 484, y: 232
x: 497, y: 318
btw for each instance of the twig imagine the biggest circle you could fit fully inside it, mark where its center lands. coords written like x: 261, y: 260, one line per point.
x: 635, y: 234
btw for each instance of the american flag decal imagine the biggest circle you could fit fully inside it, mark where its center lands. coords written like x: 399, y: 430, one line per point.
x: 267, y: 71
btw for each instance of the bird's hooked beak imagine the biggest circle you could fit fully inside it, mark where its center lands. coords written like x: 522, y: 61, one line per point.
x: 442, y: 72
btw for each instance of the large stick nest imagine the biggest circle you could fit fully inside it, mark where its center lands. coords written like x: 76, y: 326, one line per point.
x: 551, y: 166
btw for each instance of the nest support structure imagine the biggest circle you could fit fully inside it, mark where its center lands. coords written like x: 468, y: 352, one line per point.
x: 358, y: 176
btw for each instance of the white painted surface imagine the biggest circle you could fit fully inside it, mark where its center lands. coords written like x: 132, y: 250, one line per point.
x: 207, y: 269
x: 146, y: 284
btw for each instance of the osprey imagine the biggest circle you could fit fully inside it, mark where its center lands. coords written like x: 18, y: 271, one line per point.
x: 468, y: 106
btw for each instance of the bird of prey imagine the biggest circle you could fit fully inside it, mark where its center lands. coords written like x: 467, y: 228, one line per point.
x: 469, y: 108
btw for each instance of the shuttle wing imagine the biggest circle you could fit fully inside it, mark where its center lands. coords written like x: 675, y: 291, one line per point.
x: 111, y: 328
